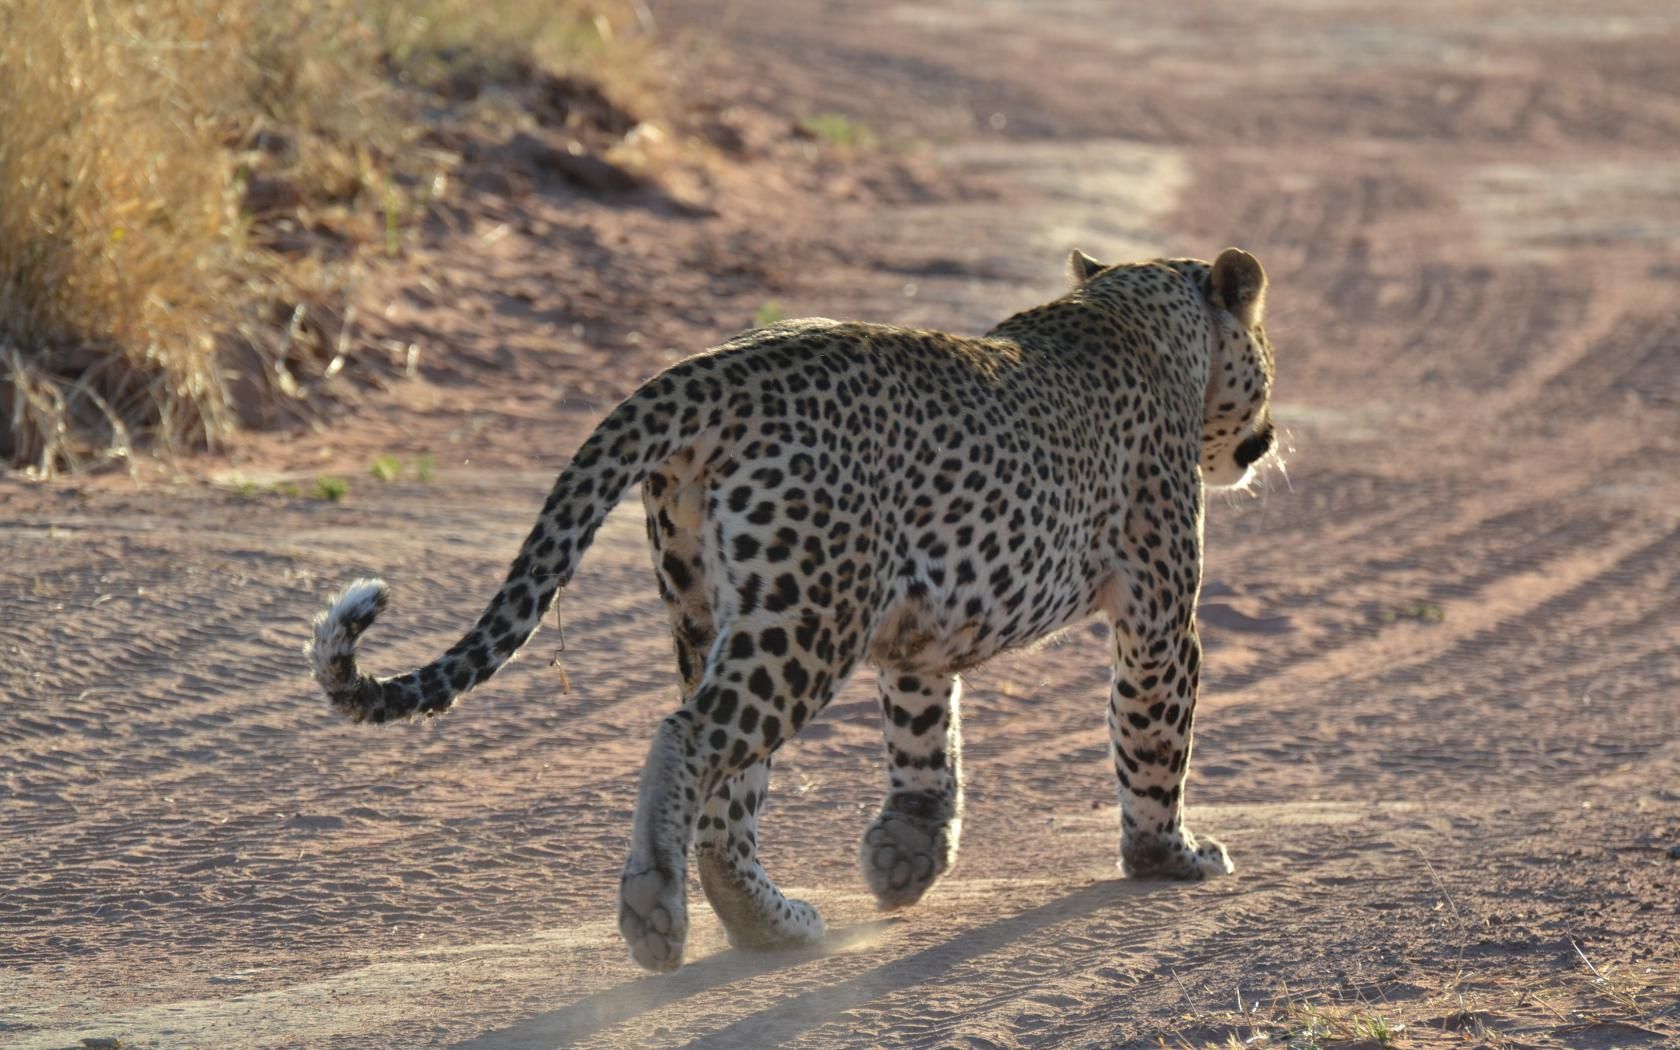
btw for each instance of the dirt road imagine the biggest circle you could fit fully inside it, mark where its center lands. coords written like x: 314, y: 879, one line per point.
x: 1440, y: 707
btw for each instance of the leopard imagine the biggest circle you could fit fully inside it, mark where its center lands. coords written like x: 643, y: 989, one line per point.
x: 823, y: 494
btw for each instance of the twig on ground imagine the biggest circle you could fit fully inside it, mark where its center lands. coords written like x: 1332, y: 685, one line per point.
x: 1197, y: 1014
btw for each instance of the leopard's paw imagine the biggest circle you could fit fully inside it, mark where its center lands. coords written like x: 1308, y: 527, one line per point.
x: 653, y: 917
x: 754, y: 913
x: 908, y: 847
x: 1173, y: 855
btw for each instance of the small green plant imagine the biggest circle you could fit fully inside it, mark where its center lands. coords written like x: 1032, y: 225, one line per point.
x: 837, y: 129
x: 1310, y: 1031
x: 767, y: 314
x: 288, y: 489
x: 1419, y: 612
x: 425, y: 466
x: 1294, y: 1024
x: 1375, y: 1028
x: 331, y: 489
x: 386, y: 468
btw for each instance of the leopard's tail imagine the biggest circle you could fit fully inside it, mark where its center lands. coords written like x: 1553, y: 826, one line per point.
x: 645, y: 429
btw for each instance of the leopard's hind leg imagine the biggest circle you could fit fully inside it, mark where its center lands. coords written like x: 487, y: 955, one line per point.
x: 754, y: 913
x: 913, y: 840
x: 780, y: 653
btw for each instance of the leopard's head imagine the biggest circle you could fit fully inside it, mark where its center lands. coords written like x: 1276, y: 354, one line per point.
x: 1237, y: 430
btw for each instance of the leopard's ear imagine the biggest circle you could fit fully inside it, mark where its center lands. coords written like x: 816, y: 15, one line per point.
x: 1084, y: 267
x: 1238, y: 286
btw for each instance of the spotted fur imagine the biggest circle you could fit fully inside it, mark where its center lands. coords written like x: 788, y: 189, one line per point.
x: 823, y: 494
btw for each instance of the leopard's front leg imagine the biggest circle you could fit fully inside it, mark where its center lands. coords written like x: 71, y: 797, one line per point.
x: 1151, y: 710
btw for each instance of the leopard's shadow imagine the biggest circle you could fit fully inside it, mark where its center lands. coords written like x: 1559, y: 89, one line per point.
x: 819, y: 1001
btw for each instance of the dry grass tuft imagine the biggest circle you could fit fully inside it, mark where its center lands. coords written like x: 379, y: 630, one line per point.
x: 188, y: 189
x: 1602, y: 1003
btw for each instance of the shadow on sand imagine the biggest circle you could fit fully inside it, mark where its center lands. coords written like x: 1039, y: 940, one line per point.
x: 808, y: 1009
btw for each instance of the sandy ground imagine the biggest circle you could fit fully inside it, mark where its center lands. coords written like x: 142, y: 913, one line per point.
x: 1439, y: 720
